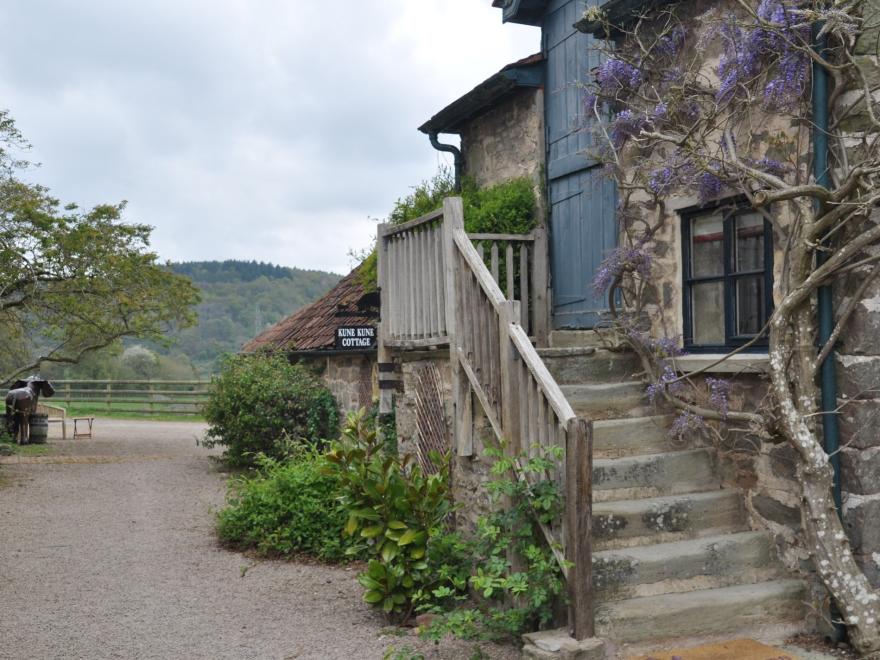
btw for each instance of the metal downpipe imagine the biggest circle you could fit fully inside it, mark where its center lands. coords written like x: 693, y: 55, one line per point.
x: 456, y: 153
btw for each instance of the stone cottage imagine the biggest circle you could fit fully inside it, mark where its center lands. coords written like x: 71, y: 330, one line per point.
x: 324, y: 334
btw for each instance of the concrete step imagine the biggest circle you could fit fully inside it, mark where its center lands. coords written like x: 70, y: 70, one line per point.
x: 653, y: 475
x: 632, y: 435
x: 573, y: 339
x: 571, y: 366
x: 664, y: 568
x: 702, y: 613
x: 608, y: 400
x: 628, y: 523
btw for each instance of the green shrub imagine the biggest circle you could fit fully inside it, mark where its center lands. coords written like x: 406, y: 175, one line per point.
x: 286, y: 508
x: 395, y: 512
x: 505, y: 208
x: 263, y: 404
x: 417, y: 563
x: 506, y: 601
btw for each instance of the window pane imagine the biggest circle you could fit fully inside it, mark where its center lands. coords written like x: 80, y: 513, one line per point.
x: 708, y: 312
x: 750, y: 305
x: 707, y: 246
x: 749, y: 242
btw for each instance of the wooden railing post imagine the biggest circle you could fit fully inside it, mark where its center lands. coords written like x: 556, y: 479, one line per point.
x: 578, y: 511
x: 385, y: 312
x: 387, y: 381
x: 453, y: 219
x: 510, y: 312
x: 541, y: 286
x: 109, y: 396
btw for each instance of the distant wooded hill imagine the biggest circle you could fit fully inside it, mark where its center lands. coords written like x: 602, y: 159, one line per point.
x: 239, y: 300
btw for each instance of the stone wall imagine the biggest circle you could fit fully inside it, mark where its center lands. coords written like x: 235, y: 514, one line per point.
x: 858, y: 376
x: 507, y: 142
x: 351, y: 378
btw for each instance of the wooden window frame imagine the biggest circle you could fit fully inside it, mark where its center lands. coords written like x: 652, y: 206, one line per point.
x: 730, y: 210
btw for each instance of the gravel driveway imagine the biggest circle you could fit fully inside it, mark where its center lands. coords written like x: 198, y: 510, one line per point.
x: 107, y: 551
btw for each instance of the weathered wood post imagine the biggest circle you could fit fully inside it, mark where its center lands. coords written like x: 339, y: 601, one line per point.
x: 510, y: 313
x: 385, y: 360
x: 453, y: 219
x: 109, y: 396
x: 578, y: 511
x: 541, y: 286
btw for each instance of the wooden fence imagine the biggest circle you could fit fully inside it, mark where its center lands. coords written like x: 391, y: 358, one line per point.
x: 152, y: 397
x: 437, y: 289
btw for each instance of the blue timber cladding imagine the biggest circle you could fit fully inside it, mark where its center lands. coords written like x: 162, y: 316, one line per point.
x: 582, y: 201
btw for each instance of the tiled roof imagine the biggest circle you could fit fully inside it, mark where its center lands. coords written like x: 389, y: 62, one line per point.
x: 313, y: 328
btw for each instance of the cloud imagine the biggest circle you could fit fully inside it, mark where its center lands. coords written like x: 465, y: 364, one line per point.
x: 252, y: 129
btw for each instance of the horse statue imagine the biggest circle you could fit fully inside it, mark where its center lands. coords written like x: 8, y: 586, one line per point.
x: 21, y: 403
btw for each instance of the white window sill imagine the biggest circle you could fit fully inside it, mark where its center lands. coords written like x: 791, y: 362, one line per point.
x: 741, y: 363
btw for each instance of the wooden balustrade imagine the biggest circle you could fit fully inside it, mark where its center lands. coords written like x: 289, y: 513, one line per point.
x: 517, y: 263
x: 437, y: 288
x: 413, y: 312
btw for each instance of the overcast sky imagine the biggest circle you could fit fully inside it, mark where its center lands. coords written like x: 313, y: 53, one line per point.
x: 245, y: 129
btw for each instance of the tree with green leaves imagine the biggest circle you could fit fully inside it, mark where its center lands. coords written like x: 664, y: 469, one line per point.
x: 74, y: 281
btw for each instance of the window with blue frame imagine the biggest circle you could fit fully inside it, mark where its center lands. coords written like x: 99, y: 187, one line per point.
x: 728, y: 269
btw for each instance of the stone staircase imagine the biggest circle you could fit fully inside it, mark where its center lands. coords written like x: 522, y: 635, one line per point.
x: 673, y: 553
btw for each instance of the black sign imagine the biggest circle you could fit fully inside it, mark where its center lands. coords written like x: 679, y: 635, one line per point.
x: 355, y: 337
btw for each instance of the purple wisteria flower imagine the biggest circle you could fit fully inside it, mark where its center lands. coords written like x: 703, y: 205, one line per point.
x: 660, y: 112
x: 667, y: 381
x: 660, y: 181
x: 625, y: 124
x: 622, y: 259
x: 708, y: 185
x: 787, y: 87
x: 669, y: 45
x: 719, y: 395
x: 771, y: 166
x: 616, y: 75
x: 687, y: 422
x: 666, y: 347
x: 773, y: 44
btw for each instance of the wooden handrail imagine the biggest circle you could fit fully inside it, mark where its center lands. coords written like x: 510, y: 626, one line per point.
x: 515, y: 238
x: 391, y: 230
x: 539, y: 371
x: 478, y: 268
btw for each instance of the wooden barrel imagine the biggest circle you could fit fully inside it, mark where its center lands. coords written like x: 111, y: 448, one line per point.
x: 39, y: 428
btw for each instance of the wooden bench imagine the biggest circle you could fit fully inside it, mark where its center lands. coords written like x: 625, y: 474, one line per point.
x: 54, y: 414
x: 84, y: 434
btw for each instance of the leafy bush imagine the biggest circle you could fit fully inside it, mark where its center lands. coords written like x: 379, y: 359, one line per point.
x: 505, y: 208
x: 426, y: 197
x: 286, y: 508
x: 506, y: 602
x: 260, y: 403
x: 394, y: 511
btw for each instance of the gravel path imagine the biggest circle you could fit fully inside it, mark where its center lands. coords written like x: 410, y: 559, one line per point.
x: 108, y: 551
